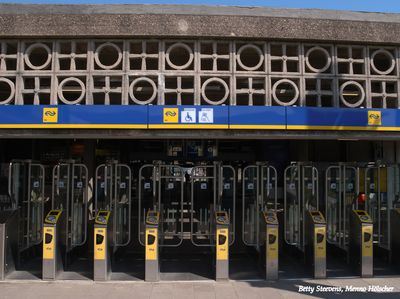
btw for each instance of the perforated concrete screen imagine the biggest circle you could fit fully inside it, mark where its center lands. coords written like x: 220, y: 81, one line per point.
x: 206, y: 72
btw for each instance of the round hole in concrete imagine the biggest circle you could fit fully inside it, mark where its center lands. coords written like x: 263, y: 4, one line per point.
x: 7, y: 91
x: 143, y: 91
x: 352, y: 94
x: 179, y: 56
x: 285, y: 92
x: 108, y: 56
x: 250, y: 57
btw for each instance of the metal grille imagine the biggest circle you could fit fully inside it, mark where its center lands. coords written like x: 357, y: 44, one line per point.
x: 188, y: 72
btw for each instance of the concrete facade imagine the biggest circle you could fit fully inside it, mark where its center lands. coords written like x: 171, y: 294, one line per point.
x: 193, y: 21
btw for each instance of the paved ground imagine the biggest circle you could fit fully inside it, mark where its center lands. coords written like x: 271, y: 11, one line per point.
x: 186, y: 290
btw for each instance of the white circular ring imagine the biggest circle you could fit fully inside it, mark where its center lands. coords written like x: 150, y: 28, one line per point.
x: 360, y: 88
x: 327, y: 56
x: 12, y: 91
x: 388, y: 55
x: 28, y: 52
x: 142, y: 79
x: 100, y: 48
x: 260, y: 55
x: 296, y: 95
x: 61, y: 94
x: 203, y: 90
x: 179, y: 45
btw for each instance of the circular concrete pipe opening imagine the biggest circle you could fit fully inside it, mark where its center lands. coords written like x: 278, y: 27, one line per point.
x: 318, y: 59
x: 7, y: 91
x: 215, y: 91
x: 108, y: 56
x: 382, y: 62
x: 37, y: 56
x: 143, y: 91
x: 250, y: 57
x: 352, y: 94
x: 285, y: 92
x: 179, y: 56
x: 71, y: 91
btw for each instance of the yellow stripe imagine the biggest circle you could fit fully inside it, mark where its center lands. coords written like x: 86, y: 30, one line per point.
x: 265, y: 127
x: 343, y: 128
x: 188, y: 126
x: 70, y: 126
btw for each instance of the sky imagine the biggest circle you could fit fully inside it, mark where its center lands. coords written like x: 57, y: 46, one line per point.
x: 357, y: 5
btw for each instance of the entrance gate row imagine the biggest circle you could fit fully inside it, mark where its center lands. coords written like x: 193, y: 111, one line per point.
x: 196, y: 205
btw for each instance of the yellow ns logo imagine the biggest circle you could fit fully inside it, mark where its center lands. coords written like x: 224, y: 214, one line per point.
x: 50, y: 115
x: 171, y: 115
x: 374, y: 118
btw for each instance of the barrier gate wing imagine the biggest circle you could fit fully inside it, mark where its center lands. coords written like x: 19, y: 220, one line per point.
x: 26, y: 189
x: 259, y: 194
x: 69, y: 194
x: 342, y: 188
x: 113, y: 193
x: 217, y: 183
x: 161, y: 189
x: 300, y: 196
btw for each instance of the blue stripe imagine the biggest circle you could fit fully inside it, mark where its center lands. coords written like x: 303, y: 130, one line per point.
x: 256, y: 115
x: 222, y: 115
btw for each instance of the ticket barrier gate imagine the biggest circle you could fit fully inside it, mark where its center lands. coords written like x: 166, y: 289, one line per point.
x: 160, y: 212
x: 361, y: 242
x: 102, y: 246
x: 260, y: 228
x: 21, y: 219
x: 316, y: 243
x: 269, y: 239
x: 341, y: 191
x: 52, y: 255
x: 113, y: 215
x: 152, y: 262
x: 212, y: 217
x: 301, y: 197
x: 69, y: 195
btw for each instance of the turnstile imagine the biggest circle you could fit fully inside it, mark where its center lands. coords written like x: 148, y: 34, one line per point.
x: 361, y: 242
x: 112, y: 197
x: 22, y: 218
x: 301, y: 196
x: 259, y: 214
x: 213, y: 207
x: 161, y: 190
x: 69, y: 195
x: 341, y: 191
x: 161, y: 212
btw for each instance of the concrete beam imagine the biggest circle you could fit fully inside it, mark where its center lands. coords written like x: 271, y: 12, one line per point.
x: 81, y: 21
x: 195, y: 134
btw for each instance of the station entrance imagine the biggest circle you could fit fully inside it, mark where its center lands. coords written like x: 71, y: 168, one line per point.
x: 198, y: 209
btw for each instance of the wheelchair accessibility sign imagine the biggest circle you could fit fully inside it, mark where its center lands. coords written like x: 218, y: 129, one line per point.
x: 188, y: 116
